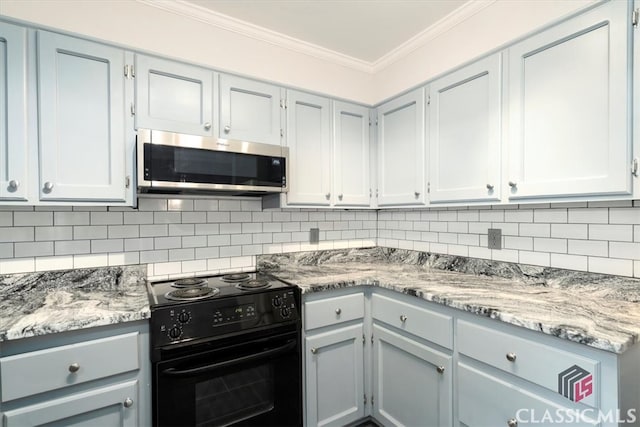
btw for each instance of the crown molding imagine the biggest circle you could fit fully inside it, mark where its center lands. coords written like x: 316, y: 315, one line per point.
x: 453, y: 19
x: 228, y: 23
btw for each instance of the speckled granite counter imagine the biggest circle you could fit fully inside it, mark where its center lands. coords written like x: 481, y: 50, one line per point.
x: 57, y: 301
x: 597, y: 310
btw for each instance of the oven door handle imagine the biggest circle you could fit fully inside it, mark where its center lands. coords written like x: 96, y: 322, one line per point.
x: 290, y: 345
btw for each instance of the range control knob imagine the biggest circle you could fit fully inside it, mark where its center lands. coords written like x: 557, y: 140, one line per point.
x: 175, y: 332
x: 285, y: 312
x: 277, y: 301
x: 184, y: 317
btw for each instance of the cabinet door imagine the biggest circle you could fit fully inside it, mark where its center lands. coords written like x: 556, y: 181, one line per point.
x: 486, y: 400
x: 351, y: 185
x: 249, y: 110
x: 114, y: 405
x: 174, y: 97
x: 13, y: 106
x: 569, y: 110
x: 464, y: 124
x: 412, y: 383
x: 82, y: 132
x: 308, y: 138
x: 401, y: 150
x: 335, y: 376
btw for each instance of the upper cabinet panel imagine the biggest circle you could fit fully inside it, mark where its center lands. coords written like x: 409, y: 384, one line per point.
x: 174, y: 97
x: 13, y: 107
x: 401, y: 150
x: 351, y: 179
x: 82, y: 127
x: 309, y: 141
x: 249, y: 110
x: 569, y: 112
x: 465, y: 133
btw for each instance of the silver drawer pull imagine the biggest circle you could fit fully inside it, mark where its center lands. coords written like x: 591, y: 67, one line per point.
x: 513, y: 184
x: 338, y: 311
x: 314, y: 350
x: 403, y: 318
x: 128, y: 402
x: 13, y: 185
x: 511, y: 357
x: 227, y: 129
x: 512, y: 422
x: 48, y: 186
x: 440, y: 369
x: 489, y: 187
x: 74, y: 367
x: 207, y: 126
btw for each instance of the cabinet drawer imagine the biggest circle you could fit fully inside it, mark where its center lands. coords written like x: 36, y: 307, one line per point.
x: 549, y: 367
x: 39, y: 371
x: 419, y: 321
x: 485, y: 400
x: 331, y: 311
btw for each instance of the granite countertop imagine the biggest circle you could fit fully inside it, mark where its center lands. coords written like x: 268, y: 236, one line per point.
x: 56, y: 301
x: 597, y: 310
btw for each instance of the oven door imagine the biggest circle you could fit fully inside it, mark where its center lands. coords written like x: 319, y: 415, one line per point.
x: 233, y: 383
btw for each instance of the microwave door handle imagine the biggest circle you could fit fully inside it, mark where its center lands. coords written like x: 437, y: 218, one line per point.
x: 290, y: 345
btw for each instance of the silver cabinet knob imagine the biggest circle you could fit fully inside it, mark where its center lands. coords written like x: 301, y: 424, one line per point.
x: 314, y: 350
x: 417, y: 194
x: 227, y: 129
x: 74, y: 367
x: 48, y: 186
x: 511, y: 357
x: 128, y: 402
x: 338, y: 311
x: 13, y: 185
x: 513, y: 184
x: 340, y: 196
x: 489, y: 187
x: 440, y: 369
x: 207, y: 126
x: 512, y: 422
x: 403, y: 318
x: 327, y: 196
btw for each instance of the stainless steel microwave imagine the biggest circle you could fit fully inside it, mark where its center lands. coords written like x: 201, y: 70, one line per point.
x: 178, y: 163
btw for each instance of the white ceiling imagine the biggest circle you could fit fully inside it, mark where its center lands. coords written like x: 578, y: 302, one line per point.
x: 365, y: 30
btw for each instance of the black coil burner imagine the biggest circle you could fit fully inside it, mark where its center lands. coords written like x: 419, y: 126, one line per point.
x: 191, y: 293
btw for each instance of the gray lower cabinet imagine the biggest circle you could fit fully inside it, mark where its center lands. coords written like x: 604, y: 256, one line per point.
x: 411, y: 381
x: 334, y: 360
x: 94, y: 377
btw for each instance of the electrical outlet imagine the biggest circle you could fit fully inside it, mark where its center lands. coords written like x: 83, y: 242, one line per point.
x: 495, y: 238
x: 314, y: 235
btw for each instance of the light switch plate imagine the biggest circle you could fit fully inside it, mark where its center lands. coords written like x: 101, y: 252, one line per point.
x: 314, y: 235
x: 495, y: 238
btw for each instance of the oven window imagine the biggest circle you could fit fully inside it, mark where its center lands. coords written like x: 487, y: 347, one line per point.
x: 234, y: 397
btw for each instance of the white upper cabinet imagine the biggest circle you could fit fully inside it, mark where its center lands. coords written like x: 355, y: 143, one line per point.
x: 13, y: 107
x: 309, y: 141
x: 249, y: 110
x: 173, y: 96
x: 83, y: 140
x: 351, y: 178
x: 465, y: 133
x: 401, y: 150
x: 569, y: 88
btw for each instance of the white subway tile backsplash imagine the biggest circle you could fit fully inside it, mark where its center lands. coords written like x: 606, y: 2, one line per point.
x: 524, y: 215
x: 520, y: 243
x: 571, y: 262
x: 549, y: 245
x: 180, y: 205
x: 508, y: 229
x: 33, y: 249
x: 71, y: 218
x: 72, y: 247
x: 122, y: 231
x: 589, y: 215
x: 154, y: 230
x: 440, y: 227
x: 207, y: 252
x: 230, y: 251
x: 6, y: 250
x: 182, y: 254
x: 636, y: 233
x: 32, y: 218
x: 54, y: 263
x: 492, y: 216
x: 17, y: 265
x: 6, y: 219
x: 91, y: 260
x: 241, y: 239
x: 150, y: 257
x: 230, y: 205
x: 479, y: 227
x: 205, y: 205
x: 53, y: 233
x: 535, y: 230
x: 273, y: 227
x: 535, y: 258
x: 174, y: 242
x: 622, y: 267
x: 234, y: 228
x: 138, y: 218
x: 154, y: 205
x: 181, y: 229
x: 218, y: 264
x: 194, y: 217
x: 550, y: 215
x: 240, y: 216
x: 107, y: 245
x: 252, y: 227
x: 107, y: 218
x: 167, y: 217
x: 505, y: 255
x: 163, y: 268
x: 621, y: 233
x: 142, y: 244
x: 588, y: 247
x: 82, y: 232
x: 206, y: 229
x: 291, y: 226
x: 124, y: 258
x: 194, y: 266
x: 622, y: 216
x: 622, y: 250
x: 569, y: 231
x: 194, y: 241
x: 219, y: 240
